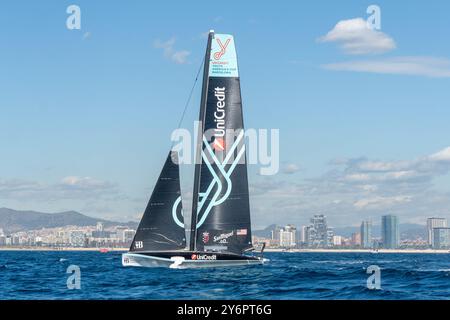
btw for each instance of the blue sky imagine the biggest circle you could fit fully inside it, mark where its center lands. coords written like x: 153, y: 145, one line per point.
x: 86, y: 114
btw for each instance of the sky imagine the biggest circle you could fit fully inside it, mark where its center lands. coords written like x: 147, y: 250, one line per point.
x: 86, y: 115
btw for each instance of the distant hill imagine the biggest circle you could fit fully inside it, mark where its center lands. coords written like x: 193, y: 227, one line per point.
x: 14, y: 220
x: 265, y: 233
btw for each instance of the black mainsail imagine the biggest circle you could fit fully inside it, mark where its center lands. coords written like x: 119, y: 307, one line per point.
x: 162, y: 227
x: 221, y: 213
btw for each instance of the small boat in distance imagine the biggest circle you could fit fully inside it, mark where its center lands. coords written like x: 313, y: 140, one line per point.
x: 104, y: 250
x: 220, y: 228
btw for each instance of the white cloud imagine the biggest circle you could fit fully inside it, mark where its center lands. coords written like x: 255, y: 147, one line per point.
x: 419, y: 66
x: 71, y: 187
x: 179, y: 57
x: 84, y: 182
x: 381, y: 202
x: 443, y: 155
x: 355, y: 37
x: 290, y: 168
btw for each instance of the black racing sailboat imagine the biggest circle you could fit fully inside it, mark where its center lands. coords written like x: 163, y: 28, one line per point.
x: 220, y: 228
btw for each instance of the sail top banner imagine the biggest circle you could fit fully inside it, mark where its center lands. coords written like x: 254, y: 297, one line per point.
x: 223, y: 61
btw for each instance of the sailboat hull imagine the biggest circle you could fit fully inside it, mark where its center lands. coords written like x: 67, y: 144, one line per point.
x: 186, y: 259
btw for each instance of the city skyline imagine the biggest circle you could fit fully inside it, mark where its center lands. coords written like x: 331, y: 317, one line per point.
x: 317, y: 235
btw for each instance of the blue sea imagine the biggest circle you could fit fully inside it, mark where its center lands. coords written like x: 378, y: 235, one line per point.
x: 42, y: 275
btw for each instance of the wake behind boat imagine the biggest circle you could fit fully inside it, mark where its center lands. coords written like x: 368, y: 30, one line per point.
x: 220, y: 227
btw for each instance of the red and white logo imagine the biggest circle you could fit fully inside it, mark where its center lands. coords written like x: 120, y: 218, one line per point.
x: 223, y: 48
x: 194, y: 257
x: 219, y: 144
x: 205, y: 237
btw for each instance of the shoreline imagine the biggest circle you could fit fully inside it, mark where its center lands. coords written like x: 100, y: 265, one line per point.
x: 411, y: 251
x: 60, y: 249
x: 443, y: 251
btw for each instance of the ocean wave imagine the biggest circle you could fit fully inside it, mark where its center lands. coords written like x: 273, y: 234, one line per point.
x: 294, y: 276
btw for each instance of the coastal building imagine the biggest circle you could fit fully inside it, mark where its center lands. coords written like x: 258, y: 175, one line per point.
x: 330, y: 235
x: 128, y: 235
x: 99, y: 226
x: 77, y: 238
x: 318, y: 234
x: 433, y: 223
x: 302, y: 234
x: 390, y: 234
x: 287, y: 236
x: 3, y: 240
x: 441, y: 238
x: 337, y: 241
x: 275, y: 233
x: 356, y: 239
x: 366, y: 234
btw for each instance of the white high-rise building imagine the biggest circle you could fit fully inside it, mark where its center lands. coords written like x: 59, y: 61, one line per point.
x: 287, y: 236
x: 128, y: 235
x: 303, y: 234
x: 337, y: 241
x: 99, y: 226
x: 433, y: 223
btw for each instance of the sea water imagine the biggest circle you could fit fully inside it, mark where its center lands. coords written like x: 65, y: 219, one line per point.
x: 43, y: 275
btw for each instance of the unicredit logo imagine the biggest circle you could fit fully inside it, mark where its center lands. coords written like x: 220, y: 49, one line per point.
x: 223, y: 49
x: 219, y: 114
x: 206, y: 257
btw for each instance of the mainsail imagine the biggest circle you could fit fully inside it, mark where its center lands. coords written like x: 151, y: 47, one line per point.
x: 162, y: 227
x: 221, y: 213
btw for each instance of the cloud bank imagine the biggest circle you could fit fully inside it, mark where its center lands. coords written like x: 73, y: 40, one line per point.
x: 418, y: 66
x: 354, y: 37
x: 177, y: 56
x: 356, y: 189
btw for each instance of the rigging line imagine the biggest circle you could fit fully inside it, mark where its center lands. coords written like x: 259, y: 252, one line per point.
x: 190, y: 94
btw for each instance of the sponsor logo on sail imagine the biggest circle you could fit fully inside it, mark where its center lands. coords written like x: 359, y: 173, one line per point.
x: 219, y: 114
x: 223, y: 238
x: 219, y: 144
x: 223, y: 48
x: 205, y: 237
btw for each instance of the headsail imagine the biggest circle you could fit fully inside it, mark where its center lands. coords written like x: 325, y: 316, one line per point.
x: 162, y: 227
x: 223, y: 215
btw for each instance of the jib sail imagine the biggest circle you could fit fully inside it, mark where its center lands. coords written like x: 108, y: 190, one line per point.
x: 162, y: 226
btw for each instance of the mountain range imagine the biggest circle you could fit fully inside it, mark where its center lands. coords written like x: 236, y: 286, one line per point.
x: 15, y: 220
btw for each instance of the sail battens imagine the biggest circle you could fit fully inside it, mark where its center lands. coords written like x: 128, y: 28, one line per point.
x: 222, y: 209
x: 158, y: 229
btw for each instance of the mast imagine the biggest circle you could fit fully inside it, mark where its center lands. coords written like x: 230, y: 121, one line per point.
x: 198, y: 153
